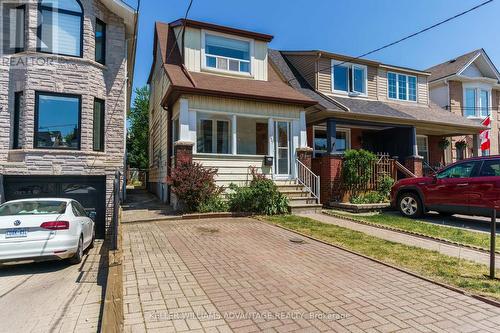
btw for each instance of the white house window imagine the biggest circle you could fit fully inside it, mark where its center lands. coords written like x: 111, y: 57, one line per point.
x: 477, y: 102
x: 349, y: 78
x: 213, y: 136
x: 60, y: 27
x: 227, y: 54
x: 342, y: 142
x: 423, y: 147
x: 402, y: 87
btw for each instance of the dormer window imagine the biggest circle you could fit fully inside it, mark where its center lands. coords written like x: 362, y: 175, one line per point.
x: 402, y: 87
x: 227, y: 54
x: 349, y: 78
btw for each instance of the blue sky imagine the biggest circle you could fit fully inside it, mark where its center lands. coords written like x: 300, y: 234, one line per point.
x: 350, y: 27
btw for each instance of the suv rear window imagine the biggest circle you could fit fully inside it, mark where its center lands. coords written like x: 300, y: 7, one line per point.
x: 32, y: 208
x: 490, y: 168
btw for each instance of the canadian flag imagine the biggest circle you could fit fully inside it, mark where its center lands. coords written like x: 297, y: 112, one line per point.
x: 485, y: 134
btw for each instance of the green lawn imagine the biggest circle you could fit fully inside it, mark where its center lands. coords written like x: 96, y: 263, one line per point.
x: 479, y: 239
x: 459, y: 273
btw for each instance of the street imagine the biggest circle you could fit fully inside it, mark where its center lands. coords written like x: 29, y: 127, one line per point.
x: 52, y: 296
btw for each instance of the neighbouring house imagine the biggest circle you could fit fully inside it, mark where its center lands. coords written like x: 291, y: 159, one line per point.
x: 216, y: 99
x: 370, y: 105
x: 469, y: 86
x: 65, y: 74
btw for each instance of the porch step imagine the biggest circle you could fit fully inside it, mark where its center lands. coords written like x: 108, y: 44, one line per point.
x: 299, y: 199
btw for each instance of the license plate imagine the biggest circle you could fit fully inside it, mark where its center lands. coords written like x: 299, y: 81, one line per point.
x: 16, y: 233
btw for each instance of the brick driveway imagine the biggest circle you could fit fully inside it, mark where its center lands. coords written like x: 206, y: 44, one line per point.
x: 243, y: 275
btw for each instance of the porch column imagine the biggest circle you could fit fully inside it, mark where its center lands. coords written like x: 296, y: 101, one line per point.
x: 184, y: 120
x: 331, y: 136
x: 303, y: 130
x: 476, y: 146
x: 270, y: 139
x: 413, y: 141
x: 234, y: 138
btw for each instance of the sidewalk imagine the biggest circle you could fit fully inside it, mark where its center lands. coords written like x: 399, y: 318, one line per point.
x: 394, y: 236
x: 142, y: 206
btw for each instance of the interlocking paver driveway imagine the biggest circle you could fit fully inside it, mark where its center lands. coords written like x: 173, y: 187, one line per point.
x: 243, y: 275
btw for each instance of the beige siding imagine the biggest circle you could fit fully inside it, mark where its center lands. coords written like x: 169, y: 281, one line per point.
x: 306, y: 66
x: 324, y: 75
x: 372, y: 82
x: 422, y: 87
x: 382, y: 84
x: 232, y: 169
x: 260, y: 60
x: 423, y: 90
x: 243, y: 107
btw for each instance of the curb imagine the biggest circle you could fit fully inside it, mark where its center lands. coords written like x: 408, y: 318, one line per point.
x: 441, y: 284
x: 192, y: 216
x: 411, y: 233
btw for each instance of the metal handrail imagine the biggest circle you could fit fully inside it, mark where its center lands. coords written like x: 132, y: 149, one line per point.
x: 308, y: 179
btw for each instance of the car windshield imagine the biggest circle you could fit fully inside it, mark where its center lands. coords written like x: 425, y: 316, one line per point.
x: 32, y: 208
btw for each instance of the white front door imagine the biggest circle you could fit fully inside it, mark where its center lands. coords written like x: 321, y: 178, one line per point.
x: 282, y: 167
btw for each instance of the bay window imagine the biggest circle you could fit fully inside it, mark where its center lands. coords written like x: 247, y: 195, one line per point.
x: 402, y: 87
x: 60, y: 27
x: 476, y: 102
x: 57, y: 121
x: 227, y: 54
x: 349, y: 78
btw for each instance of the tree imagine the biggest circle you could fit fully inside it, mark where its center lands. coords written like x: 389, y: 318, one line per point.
x: 138, y: 132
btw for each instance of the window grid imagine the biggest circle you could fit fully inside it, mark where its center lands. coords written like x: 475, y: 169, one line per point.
x: 402, y: 87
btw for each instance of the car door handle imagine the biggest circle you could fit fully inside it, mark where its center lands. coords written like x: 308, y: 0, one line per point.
x: 463, y: 184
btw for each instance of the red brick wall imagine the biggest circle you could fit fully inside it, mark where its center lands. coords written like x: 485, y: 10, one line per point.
x: 456, y: 96
x: 310, y: 136
x: 436, y: 155
x: 329, y: 168
x: 414, y: 164
x: 304, y: 155
x: 183, y: 153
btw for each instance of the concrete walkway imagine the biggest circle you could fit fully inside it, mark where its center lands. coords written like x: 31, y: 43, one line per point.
x: 143, y: 206
x: 398, y: 237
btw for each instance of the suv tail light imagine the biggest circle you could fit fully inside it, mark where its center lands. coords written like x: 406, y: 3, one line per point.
x: 55, y: 225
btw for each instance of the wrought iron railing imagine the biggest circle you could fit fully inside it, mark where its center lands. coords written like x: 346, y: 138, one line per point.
x: 308, y: 179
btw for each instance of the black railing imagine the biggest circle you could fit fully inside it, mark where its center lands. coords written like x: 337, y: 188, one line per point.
x: 116, y: 211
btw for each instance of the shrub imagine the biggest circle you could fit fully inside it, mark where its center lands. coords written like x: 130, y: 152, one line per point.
x: 357, y: 169
x: 384, y: 186
x: 214, y: 204
x: 194, y: 185
x: 261, y: 197
x: 368, y: 198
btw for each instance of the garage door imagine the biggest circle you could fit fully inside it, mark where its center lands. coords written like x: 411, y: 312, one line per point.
x: 89, y: 191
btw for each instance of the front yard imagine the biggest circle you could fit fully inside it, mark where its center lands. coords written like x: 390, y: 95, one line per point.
x: 452, y: 271
x: 397, y: 222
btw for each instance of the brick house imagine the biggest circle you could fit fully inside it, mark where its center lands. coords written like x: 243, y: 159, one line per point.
x: 66, y: 84
x: 469, y: 86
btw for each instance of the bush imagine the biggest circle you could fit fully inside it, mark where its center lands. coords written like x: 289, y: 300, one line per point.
x: 384, y: 186
x: 357, y: 169
x: 214, y: 204
x: 194, y: 185
x: 261, y: 197
x: 368, y: 198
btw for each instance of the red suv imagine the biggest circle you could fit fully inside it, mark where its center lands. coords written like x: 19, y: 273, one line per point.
x: 468, y: 187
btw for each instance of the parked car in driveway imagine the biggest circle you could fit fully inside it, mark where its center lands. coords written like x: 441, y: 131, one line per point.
x: 468, y: 187
x: 44, y: 229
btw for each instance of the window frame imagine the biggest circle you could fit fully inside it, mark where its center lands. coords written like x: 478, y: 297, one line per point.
x: 204, y: 66
x: 478, y: 88
x: 493, y: 160
x: 407, y: 87
x: 350, y: 78
x: 18, y: 95
x: 338, y: 129
x: 426, y: 158
x: 474, y: 172
x: 81, y: 15
x: 103, y: 124
x: 7, y: 48
x: 37, y: 113
x: 214, y: 121
x: 105, y: 26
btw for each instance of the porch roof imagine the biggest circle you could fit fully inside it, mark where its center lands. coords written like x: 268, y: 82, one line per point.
x: 428, y: 117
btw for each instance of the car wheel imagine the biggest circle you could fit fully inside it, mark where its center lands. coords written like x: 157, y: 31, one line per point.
x: 77, y: 258
x: 409, y: 205
x: 91, y: 245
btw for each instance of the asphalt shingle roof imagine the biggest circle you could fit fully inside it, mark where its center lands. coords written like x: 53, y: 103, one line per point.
x: 452, y: 66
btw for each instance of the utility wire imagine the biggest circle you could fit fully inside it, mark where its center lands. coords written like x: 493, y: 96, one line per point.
x: 182, y: 29
x: 409, y: 36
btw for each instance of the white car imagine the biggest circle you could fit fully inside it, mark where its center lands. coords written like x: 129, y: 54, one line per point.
x: 44, y: 229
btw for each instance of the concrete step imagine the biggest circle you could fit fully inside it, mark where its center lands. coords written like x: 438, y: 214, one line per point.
x: 290, y: 187
x: 307, y: 208
x: 296, y: 193
x: 285, y: 182
x: 302, y: 201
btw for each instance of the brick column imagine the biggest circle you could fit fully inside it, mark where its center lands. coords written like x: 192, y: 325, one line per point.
x: 415, y: 165
x: 331, y: 178
x: 183, y: 152
x: 305, y: 156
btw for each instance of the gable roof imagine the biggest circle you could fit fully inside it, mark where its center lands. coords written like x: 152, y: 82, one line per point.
x: 384, y: 111
x: 458, y: 65
x: 184, y: 81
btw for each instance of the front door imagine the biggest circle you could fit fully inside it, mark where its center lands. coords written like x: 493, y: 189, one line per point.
x: 282, y: 167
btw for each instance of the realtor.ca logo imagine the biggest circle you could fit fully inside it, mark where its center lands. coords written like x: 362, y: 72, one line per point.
x: 37, y: 32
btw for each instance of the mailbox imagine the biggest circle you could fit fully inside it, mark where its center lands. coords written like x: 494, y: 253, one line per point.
x: 268, y: 160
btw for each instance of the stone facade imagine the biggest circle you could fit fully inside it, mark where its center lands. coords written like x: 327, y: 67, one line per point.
x: 70, y: 75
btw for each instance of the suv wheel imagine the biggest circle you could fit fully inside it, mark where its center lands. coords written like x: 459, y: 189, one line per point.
x: 409, y: 205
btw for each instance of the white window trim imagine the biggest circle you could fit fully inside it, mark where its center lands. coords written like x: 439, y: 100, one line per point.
x: 349, y: 78
x: 407, y: 87
x: 338, y: 129
x: 214, y: 134
x: 477, y: 87
x: 426, y: 145
x: 204, y: 66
